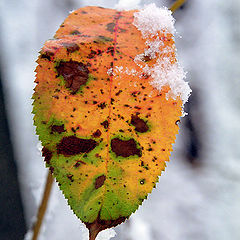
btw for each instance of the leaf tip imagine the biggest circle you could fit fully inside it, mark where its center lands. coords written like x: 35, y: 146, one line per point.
x: 98, y: 225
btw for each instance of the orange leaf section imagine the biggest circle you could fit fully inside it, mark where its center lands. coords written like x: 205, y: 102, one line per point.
x: 106, y: 134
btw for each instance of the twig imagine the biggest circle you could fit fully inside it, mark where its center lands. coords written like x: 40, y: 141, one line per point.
x: 176, y: 5
x: 43, y: 206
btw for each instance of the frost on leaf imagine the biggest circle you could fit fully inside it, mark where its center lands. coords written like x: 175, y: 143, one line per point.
x: 108, y: 93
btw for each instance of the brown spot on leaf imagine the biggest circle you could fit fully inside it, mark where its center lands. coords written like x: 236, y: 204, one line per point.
x: 146, y: 58
x: 135, y: 93
x: 92, y: 54
x: 111, y: 26
x: 75, y: 32
x: 102, y: 105
x: 118, y: 93
x: 110, y: 50
x: 142, y: 181
x: 100, y: 181
x: 73, y: 145
x: 125, y: 148
x: 78, y: 163
x: 104, y: 38
x: 145, y: 76
x: 74, y: 73
x: 47, y: 154
x: 139, y: 124
x: 105, y: 124
x: 98, y: 225
x: 97, y: 133
x: 70, y: 177
x: 57, y: 128
x: 47, y: 55
x: 71, y: 47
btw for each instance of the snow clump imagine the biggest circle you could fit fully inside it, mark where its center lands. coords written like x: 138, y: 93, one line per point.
x: 152, y: 21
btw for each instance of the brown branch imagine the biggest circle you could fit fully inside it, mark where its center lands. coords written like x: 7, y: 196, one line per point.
x: 43, y: 206
x: 176, y: 5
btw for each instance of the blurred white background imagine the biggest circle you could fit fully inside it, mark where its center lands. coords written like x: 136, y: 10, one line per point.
x: 198, y: 195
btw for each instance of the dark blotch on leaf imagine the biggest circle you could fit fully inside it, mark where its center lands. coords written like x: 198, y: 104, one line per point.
x: 105, y: 124
x: 70, y: 177
x: 125, y: 148
x: 111, y: 50
x: 145, y: 76
x: 111, y: 27
x: 118, y: 93
x: 78, y: 163
x: 75, y: 32
x: 102, y: 105
x: 47, y: 154
x: 47, y: 55
x: 97, y: 134
x: 146, y: 58
x: 92, y: 54
x: 57, y: 128
x: 135, y: 93
x: 73, y: 145
x: 71, y: 47
x: 100, y: 181
x: 139, y: 124
x: 74, y: 73
x: 142, y: 181
x: 104, y: 39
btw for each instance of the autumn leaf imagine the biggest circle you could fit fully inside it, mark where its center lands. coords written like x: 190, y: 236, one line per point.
x: 106, y: 122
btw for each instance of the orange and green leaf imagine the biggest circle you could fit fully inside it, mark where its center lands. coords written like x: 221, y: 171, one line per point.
x: 106, y: 137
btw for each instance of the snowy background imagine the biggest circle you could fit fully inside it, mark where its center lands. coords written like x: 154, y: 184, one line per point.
x: 198, y: 195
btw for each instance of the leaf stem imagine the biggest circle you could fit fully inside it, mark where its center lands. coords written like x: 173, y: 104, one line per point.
x: 43, y: 206
x: 176, y: 5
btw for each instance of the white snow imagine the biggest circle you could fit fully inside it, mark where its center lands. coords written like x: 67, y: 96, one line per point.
x: 140, y: 229
x: 154, y: 47
x: 151, y: 21
x: 120, y: 69
x: 106, y: 234
x: 172, y: 75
